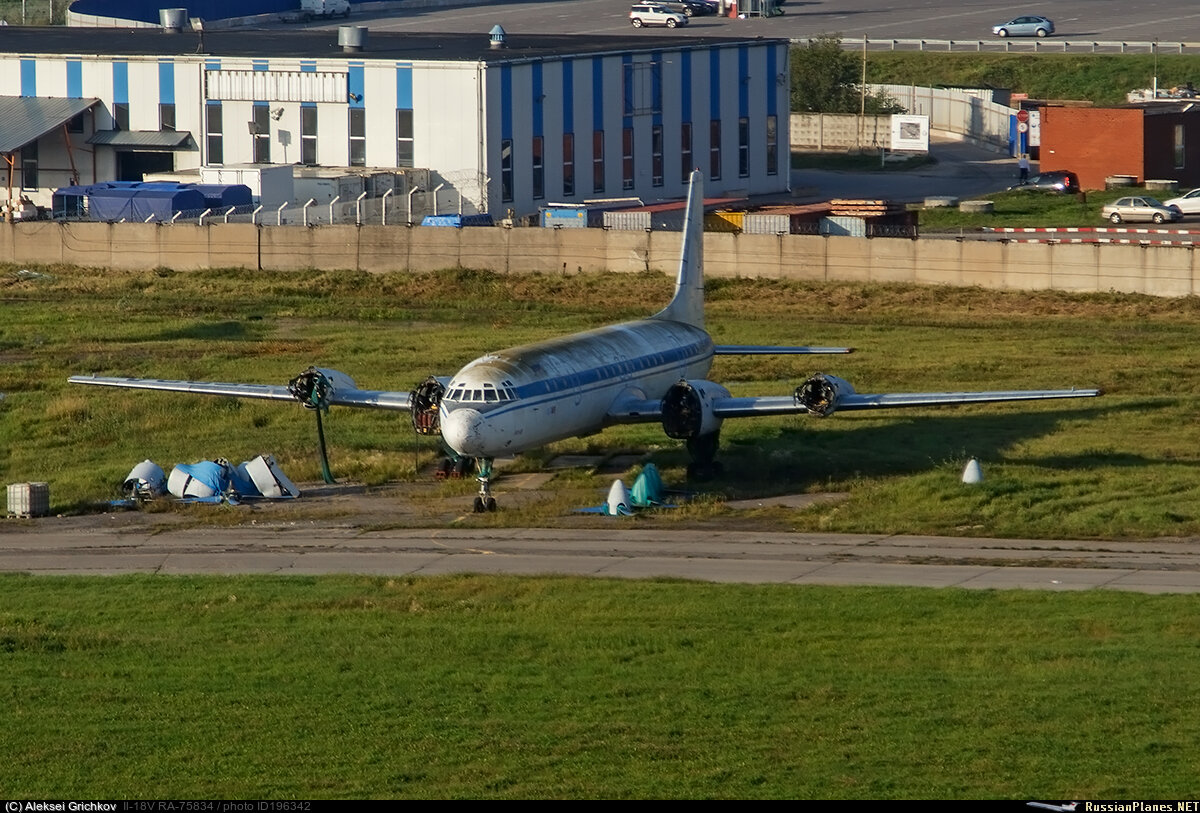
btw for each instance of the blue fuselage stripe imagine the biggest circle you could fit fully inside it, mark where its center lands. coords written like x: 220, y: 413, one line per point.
x: 581, y: 382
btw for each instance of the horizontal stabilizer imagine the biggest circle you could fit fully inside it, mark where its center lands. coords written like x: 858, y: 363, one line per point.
x: 770, y: 350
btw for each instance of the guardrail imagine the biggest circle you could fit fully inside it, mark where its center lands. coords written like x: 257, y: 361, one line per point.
x: 1052, y: 45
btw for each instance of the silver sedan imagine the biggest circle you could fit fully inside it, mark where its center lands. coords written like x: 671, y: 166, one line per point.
x: 1139, y: 208
x: 1028, y: 26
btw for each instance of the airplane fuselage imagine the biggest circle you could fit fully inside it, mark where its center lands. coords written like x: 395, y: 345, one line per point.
x: 517, y: 399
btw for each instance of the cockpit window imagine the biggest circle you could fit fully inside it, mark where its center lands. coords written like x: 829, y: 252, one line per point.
x: 486, y: 394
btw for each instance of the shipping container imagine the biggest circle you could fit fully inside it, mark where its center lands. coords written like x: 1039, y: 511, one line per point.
x: 627, y: 220
x: 724, y: 221
x: 844, y: 226
x: 565, y: 217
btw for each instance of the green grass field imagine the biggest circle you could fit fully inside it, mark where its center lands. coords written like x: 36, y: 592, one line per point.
x: 1121, y: 466
x: 536, y: 688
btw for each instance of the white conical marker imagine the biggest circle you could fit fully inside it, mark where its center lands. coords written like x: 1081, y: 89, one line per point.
x: 972, y: 473
x: 618, y: 501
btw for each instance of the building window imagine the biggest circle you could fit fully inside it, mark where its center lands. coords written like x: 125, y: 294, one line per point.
x: 29, y: 166
x: 539, y: 174
x: 166, y: 117
x: 120, y: 115
x: 308, y: 136
x: 597, y: 161
x: 685, y: 151
x: 214, y: 127
x: 1179, y: 151
x: 75, y: 125
x: 772, y: 145
x: 404, y: 138
x: 743, y: 147
x: 358, y: 137
x: 568, y: 164
x: 656, y: 155
x: 714, y: 149
x: 506, y: 170
x: 627, y: 158
x: 262, y: 133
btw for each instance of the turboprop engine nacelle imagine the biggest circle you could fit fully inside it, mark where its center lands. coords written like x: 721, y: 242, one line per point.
x: 424, y: 401
x: 687, y: 409
x: 820, y: 394
x: 314, y: 386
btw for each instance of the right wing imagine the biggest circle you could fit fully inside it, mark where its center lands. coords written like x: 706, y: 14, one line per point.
x: 822, y: 395
x: 314, y: 388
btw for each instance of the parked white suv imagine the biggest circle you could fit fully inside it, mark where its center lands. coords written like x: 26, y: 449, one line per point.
x: 654, y: 14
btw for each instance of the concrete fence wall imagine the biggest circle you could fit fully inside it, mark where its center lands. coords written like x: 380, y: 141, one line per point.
x: 1154, y: 270
x: 838, y: 131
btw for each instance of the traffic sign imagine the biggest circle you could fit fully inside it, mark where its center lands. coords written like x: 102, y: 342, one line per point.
x: 1022, y: 116
x: 1022, y: 127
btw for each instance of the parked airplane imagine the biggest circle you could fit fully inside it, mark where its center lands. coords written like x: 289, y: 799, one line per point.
x: 650, y: 370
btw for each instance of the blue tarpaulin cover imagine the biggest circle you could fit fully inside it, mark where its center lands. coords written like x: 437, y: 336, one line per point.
x: 135, y: 201
x: 457, y: 221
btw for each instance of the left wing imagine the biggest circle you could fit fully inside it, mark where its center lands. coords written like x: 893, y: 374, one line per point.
x: 772, y: 350
x: 314, y: 388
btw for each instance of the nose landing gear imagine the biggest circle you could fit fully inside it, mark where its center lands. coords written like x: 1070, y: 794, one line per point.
x: 484, y: 502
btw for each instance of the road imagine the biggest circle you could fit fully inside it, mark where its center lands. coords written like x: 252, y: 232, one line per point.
x: 1082, y: 20
x: 137, y: 542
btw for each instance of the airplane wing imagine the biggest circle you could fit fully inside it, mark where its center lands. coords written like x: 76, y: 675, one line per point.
x: 312, y: 388
x: 770, y: 350
x: 822, y: 395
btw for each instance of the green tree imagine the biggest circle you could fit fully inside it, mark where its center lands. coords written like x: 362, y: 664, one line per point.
x: 825, y: 79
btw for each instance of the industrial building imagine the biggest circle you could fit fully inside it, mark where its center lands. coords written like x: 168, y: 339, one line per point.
x: 505, y: 122
x: 1144, y: 140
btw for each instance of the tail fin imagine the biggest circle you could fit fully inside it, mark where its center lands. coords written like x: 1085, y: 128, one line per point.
x: 688, y: 303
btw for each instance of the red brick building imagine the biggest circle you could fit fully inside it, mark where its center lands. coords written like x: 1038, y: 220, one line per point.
x: 1150, y: 140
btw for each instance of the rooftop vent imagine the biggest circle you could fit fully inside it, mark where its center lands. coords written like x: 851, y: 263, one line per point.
x: 498, y: 37
x: 352, y: 38
x: 172, y: 20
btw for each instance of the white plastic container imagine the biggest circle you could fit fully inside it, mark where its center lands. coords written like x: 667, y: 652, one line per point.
x: 29, y: 499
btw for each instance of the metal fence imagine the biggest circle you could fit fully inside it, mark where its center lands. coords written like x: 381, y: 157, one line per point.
x: 388, y: 211
x: 1050, y: 45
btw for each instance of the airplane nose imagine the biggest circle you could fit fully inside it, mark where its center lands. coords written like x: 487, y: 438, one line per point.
x: 462, y: 431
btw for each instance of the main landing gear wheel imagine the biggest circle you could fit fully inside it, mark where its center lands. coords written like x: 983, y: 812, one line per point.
x: 703, y: 450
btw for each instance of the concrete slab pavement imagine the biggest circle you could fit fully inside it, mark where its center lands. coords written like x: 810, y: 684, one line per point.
x: 963, y: 170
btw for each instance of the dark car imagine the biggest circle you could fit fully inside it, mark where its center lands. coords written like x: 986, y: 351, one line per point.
x: 1056, y: 181
x: 689, y: 8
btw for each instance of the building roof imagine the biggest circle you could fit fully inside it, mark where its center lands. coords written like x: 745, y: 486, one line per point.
x: 24, y: 119
x: 71, y: 41
x: 161, y: 140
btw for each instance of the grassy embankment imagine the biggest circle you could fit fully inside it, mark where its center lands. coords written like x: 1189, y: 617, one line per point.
x: 1124, y: 465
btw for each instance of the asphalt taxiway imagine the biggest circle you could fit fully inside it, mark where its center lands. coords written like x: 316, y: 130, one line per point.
x: 308, y: 548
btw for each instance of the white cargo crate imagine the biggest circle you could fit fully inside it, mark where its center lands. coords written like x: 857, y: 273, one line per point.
x: 29, y: 499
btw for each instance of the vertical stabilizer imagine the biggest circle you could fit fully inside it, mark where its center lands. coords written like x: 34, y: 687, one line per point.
x: 688, y: 303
